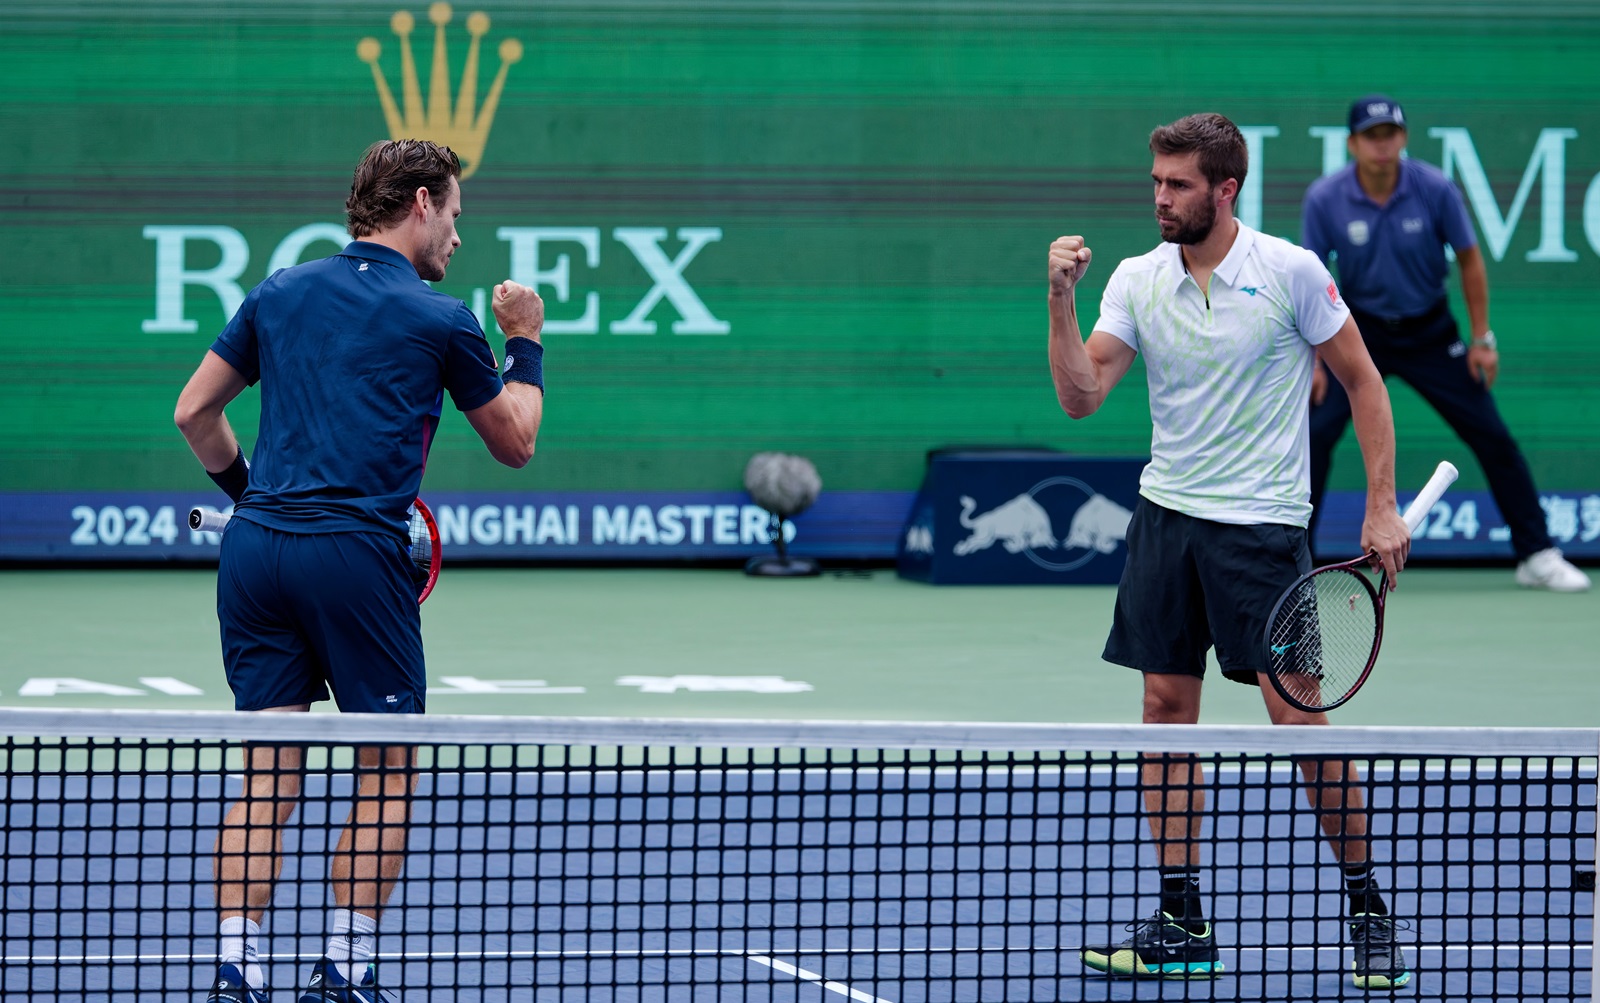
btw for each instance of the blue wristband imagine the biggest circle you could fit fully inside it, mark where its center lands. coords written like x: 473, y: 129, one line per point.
x: 235, y: 478
x: 524, y: 362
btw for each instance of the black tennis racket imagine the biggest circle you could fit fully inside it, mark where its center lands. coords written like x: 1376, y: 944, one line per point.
x: 426, y: 549
x: 1324, y: 633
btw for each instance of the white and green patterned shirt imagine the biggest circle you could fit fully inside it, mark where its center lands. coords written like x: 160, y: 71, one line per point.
x: 1230, y: 374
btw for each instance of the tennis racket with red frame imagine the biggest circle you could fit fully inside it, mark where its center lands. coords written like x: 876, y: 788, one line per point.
x: 425, y: 551
x: 1324, y: 633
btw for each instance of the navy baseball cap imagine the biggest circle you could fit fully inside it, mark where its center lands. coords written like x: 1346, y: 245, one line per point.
x: 1375, y: 109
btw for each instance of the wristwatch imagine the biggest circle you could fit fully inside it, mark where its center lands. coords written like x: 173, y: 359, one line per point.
x: 1484, y: 340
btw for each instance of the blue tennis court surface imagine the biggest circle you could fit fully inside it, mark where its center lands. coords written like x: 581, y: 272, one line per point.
x: 867, y: 881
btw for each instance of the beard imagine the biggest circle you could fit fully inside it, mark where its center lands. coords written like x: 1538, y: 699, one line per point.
x: 437, y: 258
x: 1191, y: 229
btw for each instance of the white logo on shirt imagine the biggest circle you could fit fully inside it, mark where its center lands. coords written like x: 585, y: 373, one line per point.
x: 1411, y: 225
x: 363, y: 267
x: 1358, y: 231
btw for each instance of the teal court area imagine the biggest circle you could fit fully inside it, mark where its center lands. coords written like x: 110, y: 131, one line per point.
x: 1461, y: 647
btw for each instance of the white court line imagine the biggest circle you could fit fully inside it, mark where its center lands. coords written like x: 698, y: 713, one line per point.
x: 87, y: 959
x: 813, y: 977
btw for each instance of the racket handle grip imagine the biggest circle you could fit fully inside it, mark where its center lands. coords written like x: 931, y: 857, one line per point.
x: 206, y: 520
x: 1443, y: 476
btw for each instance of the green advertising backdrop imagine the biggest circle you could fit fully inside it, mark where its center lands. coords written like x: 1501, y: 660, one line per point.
x: 814, y: 227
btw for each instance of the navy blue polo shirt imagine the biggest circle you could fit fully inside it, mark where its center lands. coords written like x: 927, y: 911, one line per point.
x: 1391, y: 257
x: 353, y: 353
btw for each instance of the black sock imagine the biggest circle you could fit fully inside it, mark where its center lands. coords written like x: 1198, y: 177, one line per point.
x: 1180, y: 897
x: 1362, y: 889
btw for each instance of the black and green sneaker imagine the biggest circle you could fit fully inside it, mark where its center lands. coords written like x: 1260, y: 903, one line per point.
x: 1379, y: 963
x: 1161, y: 948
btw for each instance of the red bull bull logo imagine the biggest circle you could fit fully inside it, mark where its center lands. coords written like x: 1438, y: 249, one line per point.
x: 1023, y: 525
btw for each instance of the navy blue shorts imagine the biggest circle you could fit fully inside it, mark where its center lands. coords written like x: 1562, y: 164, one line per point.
x: 303, y: 613
x: 1190, y: 583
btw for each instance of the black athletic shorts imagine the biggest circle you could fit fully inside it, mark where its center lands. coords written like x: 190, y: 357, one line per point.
x: 1190, y: 583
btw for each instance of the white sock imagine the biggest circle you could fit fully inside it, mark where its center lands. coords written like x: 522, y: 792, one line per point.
x: 237, y: 947
x: 353, y: 943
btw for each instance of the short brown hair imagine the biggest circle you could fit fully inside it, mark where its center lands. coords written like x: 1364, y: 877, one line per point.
x: 1219, y: 142
x: 387, y: 180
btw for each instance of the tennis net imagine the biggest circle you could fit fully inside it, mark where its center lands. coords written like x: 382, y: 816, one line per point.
x: 653, y: 860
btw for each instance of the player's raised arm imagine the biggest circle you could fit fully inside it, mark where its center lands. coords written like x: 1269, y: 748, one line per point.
x: 1083, y: 373
x: 509, y: 424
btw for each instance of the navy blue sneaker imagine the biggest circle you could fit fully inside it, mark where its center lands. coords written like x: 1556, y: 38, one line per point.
x: 326, y: 985
x: 1379, y: 963
x: 1161, y: 948
x: 230, y: 988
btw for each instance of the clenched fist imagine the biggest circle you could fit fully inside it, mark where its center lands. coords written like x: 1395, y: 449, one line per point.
x: 519, y: 310
x: 1069, y: 259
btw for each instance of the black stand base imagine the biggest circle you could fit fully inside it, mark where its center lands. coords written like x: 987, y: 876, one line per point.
x: 781, y: 567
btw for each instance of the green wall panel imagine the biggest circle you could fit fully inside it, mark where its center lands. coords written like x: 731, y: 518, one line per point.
x: 885, y: 178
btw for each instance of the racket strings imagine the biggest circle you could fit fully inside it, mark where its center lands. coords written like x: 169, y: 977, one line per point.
x: 1323, y: 637
x: 421, y: 550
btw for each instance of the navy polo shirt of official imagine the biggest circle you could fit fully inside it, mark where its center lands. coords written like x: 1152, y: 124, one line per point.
x: 1391, y: 258
x: 353, y: 352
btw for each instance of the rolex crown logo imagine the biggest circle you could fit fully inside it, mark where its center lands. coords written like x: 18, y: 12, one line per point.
x: 465, y: 130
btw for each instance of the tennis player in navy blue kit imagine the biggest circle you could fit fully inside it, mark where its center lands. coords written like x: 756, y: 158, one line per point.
x: 1388, y: 222
x: 354, y: 354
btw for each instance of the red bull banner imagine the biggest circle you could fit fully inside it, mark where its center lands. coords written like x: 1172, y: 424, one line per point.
x: 1020, y: 517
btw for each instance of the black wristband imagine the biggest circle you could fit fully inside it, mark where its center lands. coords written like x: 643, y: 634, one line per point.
x: 524, y: 362
x: 235, y: 479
